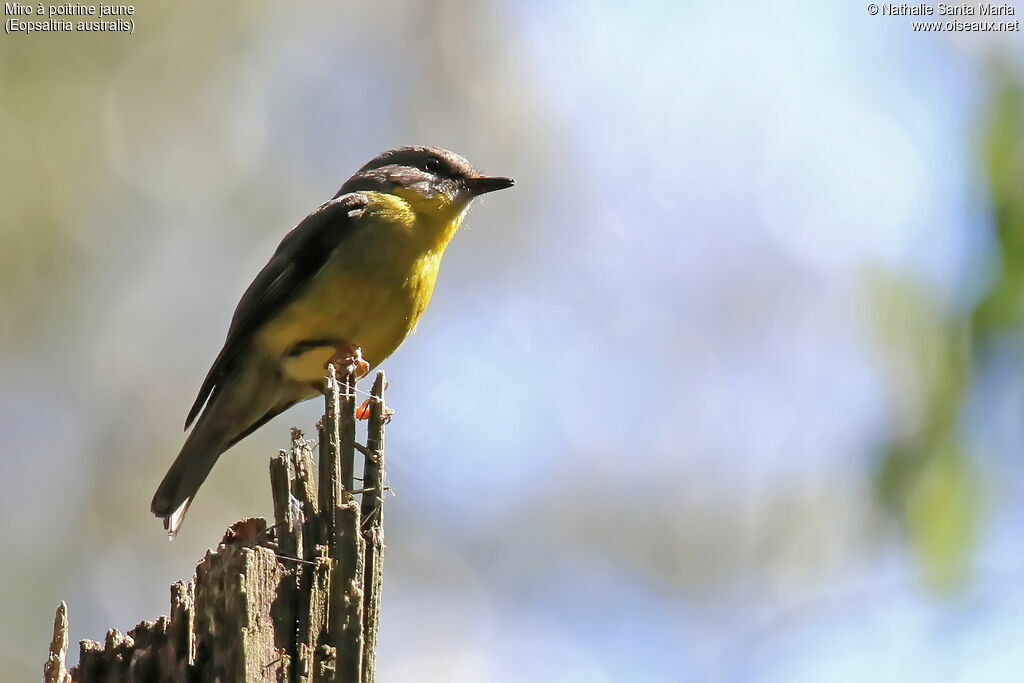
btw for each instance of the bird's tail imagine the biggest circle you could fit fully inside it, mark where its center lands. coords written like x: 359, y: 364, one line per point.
x: 241, y: 402
x: 190, y: 469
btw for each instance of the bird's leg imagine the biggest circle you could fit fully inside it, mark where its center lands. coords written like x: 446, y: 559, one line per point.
x: 350, y: 357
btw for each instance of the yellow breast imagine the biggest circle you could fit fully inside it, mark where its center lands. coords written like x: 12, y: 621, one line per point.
x: 372, y: 291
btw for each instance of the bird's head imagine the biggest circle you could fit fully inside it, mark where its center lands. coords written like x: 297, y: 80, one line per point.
x: 430, y: 179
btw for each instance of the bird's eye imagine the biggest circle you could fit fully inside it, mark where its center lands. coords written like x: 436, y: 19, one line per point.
x: 432, y: 165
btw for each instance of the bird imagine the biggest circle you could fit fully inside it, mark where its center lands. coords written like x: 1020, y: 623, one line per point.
x: 346, y: 285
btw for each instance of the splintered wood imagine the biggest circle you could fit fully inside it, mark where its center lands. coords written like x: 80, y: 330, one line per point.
x: 299, y: 601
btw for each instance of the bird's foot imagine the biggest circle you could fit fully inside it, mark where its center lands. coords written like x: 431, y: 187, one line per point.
x: 349, y: 357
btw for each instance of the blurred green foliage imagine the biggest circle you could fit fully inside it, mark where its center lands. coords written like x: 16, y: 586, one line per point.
x: 1001, y: 308
x: 928, y: 479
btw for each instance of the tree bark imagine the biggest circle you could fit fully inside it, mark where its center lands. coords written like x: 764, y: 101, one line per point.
x: 298, y: 601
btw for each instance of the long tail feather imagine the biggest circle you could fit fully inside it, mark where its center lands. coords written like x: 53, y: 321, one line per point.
x: 242, y: 401
x: 190, y: 469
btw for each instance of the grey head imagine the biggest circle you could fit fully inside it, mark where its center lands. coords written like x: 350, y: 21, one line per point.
x: 428, y: 171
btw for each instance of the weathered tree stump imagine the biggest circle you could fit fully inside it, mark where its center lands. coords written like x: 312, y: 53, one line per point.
x: 298, y: 601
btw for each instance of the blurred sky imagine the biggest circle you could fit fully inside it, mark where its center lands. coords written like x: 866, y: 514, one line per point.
x: 635, y: 430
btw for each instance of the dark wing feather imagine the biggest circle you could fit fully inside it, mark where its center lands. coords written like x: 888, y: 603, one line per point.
x: 299, y: 257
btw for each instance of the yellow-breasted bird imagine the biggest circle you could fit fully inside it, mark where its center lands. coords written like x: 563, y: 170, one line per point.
x: 348, y: 283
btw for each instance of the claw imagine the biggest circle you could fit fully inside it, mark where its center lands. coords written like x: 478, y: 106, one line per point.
x: 349, y: 357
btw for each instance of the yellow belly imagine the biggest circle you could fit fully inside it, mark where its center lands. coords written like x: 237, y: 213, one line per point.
x: 369, y: 296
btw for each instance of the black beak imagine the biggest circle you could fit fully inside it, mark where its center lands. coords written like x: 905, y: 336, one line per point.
x: 484, y: 184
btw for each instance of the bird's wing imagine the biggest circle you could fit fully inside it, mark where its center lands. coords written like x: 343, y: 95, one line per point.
x: 299, y: 257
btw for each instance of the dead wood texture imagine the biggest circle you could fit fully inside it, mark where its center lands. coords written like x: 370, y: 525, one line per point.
x: 298, y: 601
